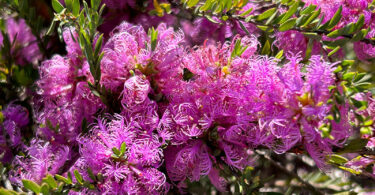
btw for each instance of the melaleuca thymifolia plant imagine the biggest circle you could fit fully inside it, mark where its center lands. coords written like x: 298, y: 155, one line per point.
x: 156, y: 97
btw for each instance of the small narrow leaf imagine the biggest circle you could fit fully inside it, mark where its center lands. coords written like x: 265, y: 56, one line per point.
x: 154, y: 39
x: 123, y: 148
x: 192, y: 3
x: 246, y: 12
x: 116, y: 151
x: 335, y: 19
x: 289, y: 24
x: 308, y: 9
x: 333, y: 51
x: 50, y: 181
x: 290, y: 12
x: 337, y: 159
x: 91, y: 174
x: 78, y: 176
x: 212, y: 20
x: 360, y: 22
x: 28, y: 184
x: 312, y: 17
x: 56, y: 5
x: 98, y: 45
x: 266, y: 48
x: 206, y: 6
x: 244, y: 28
x: 279, y: 55
x: 266, y: 14
x: 69, y: 5
x: 360, y: 35
x: 76, y: 7
x: 63, y: 179
x: 44, y: 189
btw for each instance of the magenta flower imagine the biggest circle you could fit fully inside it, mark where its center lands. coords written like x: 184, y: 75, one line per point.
x: 42, y: 158
x: 135, y: 170
x: 25, y: 49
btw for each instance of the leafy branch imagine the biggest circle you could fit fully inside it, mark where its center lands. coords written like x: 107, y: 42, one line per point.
x: 307, y: 20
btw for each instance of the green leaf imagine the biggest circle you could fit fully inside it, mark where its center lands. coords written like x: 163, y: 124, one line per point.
x: 30, y: 185
x: 287, y: 25
x: 266, y: 48
x: 266, y: 14
x: 246, y: 12
x: 337, y: 159
x: 353, y: 171
x: 333, y: 51
x: 366, y: 130
x: 123, y: 148
x: 95, y: 4
x: 70, y: 179
x: 244, y: 28
x: 50, y: 181
x: 361, y: 105
x: 348, y: 29
x: 301, y: 20
x: 360, y: 35
x: 91, y: 174
x: 76, y: 7
x: 207, y: 5
x: 154, y: 38
x: 7, y: 192
x: 312, y: 17
x: 348, y: 63
x: 279, y: 55
x: 335, y: 19
x: 348, y: 76
x: 63, y: 179
x: 362, y: 77
x: 98, y: 45
x: 308, y: 9
x: 192, y: 3
x: 308, y: 52
x: 45, y: 189
x: 290, y: 12
x: 69, y: 5
x: 334, y: 34
x: 212, y: 20
x: 56, y: 5
x: 265, y: 28
x: 271, y: 19
x: 368, y: 122
x: 116, y: 151
x: 78, y: 176
x: 360, y: 22
x: 311, y: 35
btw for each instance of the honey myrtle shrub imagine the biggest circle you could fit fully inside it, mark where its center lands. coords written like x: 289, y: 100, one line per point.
x: 187, y: 97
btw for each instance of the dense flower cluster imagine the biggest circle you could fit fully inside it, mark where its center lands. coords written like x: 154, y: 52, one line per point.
x: 24, y: 46
x: 294, y: 41
x: 16, y: 117
x: 181, y: 99
x: 198, y: 110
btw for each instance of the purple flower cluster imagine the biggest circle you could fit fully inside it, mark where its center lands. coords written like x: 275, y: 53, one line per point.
x: 294, y: 41
x: 16, y: 117
x: 25, y: 48
x: 135, y: 170
x: 191, y: 111
x: 66, y: 99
